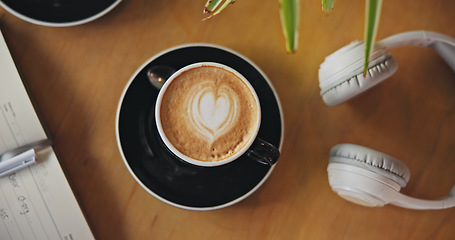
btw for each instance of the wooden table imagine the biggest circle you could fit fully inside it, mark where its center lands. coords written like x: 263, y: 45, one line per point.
x: 77, y: 75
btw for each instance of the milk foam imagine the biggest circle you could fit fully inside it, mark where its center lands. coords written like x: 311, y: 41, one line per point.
x: 212, y: 110
x: 208, y: 113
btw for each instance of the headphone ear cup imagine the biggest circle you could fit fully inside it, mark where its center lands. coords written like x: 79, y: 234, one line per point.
x: 365, y: 176
x: 374, y: 179
x: 372, y: 160
x: 341, y: 74
x: 361, y: 186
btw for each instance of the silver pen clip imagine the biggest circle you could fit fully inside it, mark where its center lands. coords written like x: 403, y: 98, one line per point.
x: 18, y: 158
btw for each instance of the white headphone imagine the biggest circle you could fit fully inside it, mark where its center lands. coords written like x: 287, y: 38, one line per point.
x: 359, y: 174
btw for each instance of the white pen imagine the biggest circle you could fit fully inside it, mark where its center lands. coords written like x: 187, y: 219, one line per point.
x: 16, y: 159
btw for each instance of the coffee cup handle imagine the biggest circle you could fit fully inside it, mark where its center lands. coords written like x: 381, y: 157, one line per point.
x: 263, y: 152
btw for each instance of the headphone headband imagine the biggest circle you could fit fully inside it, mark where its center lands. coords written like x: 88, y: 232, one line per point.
x: 414, y: 38
x: 340, y: 75
x: 444, y: 45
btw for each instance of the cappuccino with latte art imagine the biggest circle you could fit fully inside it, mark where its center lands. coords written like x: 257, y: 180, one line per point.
x: 208, y: 113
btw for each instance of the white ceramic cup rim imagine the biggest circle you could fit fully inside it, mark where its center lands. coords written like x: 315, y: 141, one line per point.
x: 175, y: 150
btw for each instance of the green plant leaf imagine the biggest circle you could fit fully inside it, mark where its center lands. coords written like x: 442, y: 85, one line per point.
x: 290, y: 14
x: 327, y: 5
x: 372, y: 14
x: 212, y: 5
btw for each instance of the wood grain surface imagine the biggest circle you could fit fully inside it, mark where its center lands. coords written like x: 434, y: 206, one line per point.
x: 76, y: 76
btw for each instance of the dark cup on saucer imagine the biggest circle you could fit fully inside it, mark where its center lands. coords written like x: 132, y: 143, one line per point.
x: 193, y: 184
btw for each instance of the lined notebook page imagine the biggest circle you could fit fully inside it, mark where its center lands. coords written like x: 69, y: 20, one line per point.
x: 35, y: 202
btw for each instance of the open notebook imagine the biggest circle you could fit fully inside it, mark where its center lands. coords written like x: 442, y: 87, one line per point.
x: 35, y: 202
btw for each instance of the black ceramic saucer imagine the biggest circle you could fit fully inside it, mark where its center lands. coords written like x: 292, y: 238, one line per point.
x: 170, y: 179
x: 59, y: 13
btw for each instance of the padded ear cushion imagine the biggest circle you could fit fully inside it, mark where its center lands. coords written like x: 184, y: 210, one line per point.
x: 372, y: 160
x: 341, y: 74
x: 355, y: 83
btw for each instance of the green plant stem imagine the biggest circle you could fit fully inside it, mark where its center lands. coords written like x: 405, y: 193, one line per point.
x: 327, y: 5
x: 289, y: 14
x: 372, y: 14
x: 211, y: 7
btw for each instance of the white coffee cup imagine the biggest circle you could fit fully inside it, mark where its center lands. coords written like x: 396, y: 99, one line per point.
x: 254, y: 147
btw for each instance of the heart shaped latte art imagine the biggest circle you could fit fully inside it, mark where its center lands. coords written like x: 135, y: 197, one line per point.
x: 213, y: 111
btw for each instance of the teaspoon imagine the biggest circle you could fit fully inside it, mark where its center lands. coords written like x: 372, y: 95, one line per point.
x: 157, y: 75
